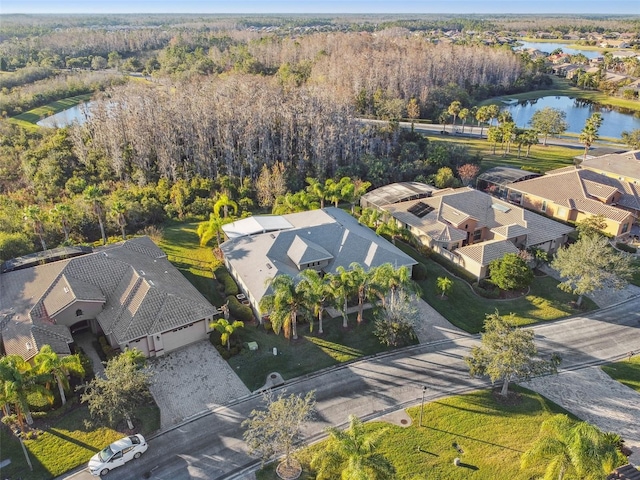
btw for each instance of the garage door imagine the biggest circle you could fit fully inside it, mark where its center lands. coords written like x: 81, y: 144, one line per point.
x: 141, y: 344
x: 184, y: 336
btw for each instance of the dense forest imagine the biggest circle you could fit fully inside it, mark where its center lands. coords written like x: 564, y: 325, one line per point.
x: 229, y: 108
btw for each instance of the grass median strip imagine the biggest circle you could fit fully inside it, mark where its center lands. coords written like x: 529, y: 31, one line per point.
x: 491, y: 435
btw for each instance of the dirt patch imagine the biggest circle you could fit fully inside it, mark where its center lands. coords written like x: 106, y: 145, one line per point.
x: 511, y: 399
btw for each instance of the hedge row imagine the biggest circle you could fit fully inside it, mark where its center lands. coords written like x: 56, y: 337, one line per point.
x: 226, y: 280
x: 239, y: 311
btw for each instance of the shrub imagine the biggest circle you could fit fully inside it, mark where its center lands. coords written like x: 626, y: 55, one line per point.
x: 215, y: 338
x: 238, y: 310
x: 486, y: 292
x: 626, y: 248
x: 419, y: 272
x: 225, y: 279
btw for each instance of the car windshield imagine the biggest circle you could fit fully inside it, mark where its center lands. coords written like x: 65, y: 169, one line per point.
x: 135, y: 440
x: 105, y: 454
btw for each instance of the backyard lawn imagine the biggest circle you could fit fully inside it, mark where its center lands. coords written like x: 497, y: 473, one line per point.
x: 181, y: 244
x: 626, y: 372
x: 467, y: 310
x: 492, y: 437
x: 64, y: 444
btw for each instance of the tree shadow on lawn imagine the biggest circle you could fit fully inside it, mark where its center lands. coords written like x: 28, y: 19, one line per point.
x: 69, y: 439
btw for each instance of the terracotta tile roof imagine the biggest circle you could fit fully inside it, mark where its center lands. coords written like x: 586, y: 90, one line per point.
x: 571, y: 188
x: 511, y: 231
x: 488, y: 211
x: 623, y: 164
x: 485, y: 252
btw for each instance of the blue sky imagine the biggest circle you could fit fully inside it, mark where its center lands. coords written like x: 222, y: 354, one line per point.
x: 325, y: 6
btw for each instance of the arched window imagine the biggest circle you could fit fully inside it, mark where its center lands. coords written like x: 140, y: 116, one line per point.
x: 78, y: 313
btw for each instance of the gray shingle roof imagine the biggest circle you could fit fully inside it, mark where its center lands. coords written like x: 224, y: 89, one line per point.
x: 143, y: 294
x: 303, y: 251
x: 258, y: 258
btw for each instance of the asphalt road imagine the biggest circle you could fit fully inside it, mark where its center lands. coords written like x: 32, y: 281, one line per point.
x: 211, y: 446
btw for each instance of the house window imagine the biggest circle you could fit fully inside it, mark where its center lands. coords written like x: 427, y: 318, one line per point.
x: 625, y: 228
x: 544, y: 206
x: 477, y: 235
x: 78, y: 313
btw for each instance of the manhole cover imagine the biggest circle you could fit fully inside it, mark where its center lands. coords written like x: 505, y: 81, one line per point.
x: 403, y: 421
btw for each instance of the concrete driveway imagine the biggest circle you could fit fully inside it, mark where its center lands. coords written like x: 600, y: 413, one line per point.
x: 192, y: 380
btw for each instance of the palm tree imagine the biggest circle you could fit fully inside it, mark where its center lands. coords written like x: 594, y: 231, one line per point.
x: 62, y: 213
x: 93, y: 196
x: 589, y: 133
x: 463, y: 115
x: 336, y: 191
x: 387, y: 279
x: 351, y: 454
x: 47, y: 362
x: 206, y: 230
x: 18, y: 379
x: 225, y: 202
x: 444, y: 285
x: 362, y: 282
x: 354, y: 191
x: 483, y: 115
x: 283, y: 305
x: 454, y: 110
x: 343, y: 287
x: 315, y: 290
x: 317, y: 189
x: 118, y: 209
x: 570, y: 448
x: 226, y: 329
x: 33, y: 214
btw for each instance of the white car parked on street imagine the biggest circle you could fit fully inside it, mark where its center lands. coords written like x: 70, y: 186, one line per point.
x: 117, y: 454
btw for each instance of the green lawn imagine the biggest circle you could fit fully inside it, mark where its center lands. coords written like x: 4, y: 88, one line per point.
x: 64, y: 444
x: 308, y: 354
x: 541, y: 157
x: 492, y: 436
x: 181, y: 244
x: 466, y: 310
x: 626, y: 372
x: 30, y: 118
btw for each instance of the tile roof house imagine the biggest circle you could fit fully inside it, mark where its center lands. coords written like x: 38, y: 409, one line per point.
x: 321, y: 239
x: 472, y: 228
x: 575, y: 193
x: 128, y: 291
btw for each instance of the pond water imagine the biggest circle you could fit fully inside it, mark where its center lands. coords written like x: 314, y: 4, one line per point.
x: 550, y: 47
x: 77, y: 114
x: 613, y: 124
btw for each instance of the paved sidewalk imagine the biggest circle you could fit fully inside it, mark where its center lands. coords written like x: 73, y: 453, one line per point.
x: 603, y: 298
x: 593, y: 396
x: 192, y: 380
x: 85, y: 341
x: 433, y: 327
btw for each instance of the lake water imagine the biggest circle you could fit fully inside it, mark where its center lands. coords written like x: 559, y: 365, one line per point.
x: 613, y: 124
x: 76, y: 114
x: 550, y: 47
